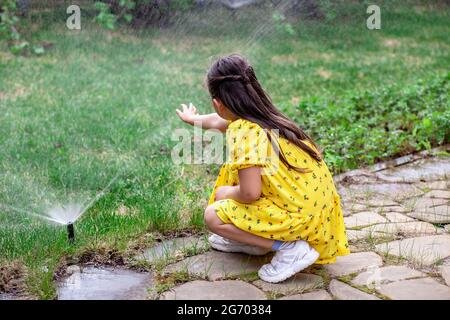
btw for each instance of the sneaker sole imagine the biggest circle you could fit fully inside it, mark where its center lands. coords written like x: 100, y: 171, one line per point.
x: 308, y: 260
x: 228, y: 249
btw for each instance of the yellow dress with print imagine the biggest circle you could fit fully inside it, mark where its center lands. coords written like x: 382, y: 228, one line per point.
x: 293, y: 206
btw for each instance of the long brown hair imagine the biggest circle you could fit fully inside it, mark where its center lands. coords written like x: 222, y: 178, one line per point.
x: 232, y: 80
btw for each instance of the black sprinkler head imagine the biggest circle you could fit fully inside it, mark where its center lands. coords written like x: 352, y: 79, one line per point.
x: 70, y: 232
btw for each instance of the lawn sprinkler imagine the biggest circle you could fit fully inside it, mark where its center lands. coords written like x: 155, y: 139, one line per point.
x: 70, y: 233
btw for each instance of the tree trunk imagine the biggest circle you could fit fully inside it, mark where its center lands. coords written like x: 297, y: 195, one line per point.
x: 306, y: 8
x: 23, y: 7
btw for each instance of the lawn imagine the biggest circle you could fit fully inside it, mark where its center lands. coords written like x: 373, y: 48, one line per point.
x: 98, y: 106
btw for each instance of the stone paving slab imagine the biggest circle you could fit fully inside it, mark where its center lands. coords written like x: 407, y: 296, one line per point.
x: 404, y: 228
x: 409, y: 158
x: 435, y: 185
x: 380, y: 202
x: 356, y: 176
x: 434, y: 217
x: 215, y: 265
x: 216, y: 290
x: 425, y: 250
x: 315, y: 295
x: 363, y: 219
x: 354, y: 262
x: 422, y: 170
x: 445, y: 274
x: 393, y: 191
x: 424, y: 204
x: 429, y: 210
x: 350, y: 208
x: 398, y: 217
x: 434, y: 210
x: 446, y: 262
x: 7, y: 296
x: 105, y: 284
x: 297, y: 284
x: 416, y: 289
x: 169, y: 248
x: 394, y: 209
x: 342, y: 291
x: 376, y: 276
x: 438, y: 194
x: 346, y: 213
x: 355, y: 235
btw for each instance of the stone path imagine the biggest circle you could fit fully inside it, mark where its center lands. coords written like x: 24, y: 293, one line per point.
x: 214, y: 290
x: 398, y: 223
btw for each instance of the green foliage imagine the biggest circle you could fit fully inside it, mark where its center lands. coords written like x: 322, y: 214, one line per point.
x: 145, y: 12
x: 9, y: 20
x: 8, y: 30
x: 111, y: 13
x: 182, y: 5
x: 281, y: 25
x: 105, y: 18
x: 9, y: 23
x: 364, y: 128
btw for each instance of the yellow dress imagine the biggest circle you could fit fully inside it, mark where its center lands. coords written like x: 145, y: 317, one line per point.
x: 293, y: 206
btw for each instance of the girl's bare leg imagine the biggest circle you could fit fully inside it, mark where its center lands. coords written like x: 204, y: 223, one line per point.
x: 229, y: 231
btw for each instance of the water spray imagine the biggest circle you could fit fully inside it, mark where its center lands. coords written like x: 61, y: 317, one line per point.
x: 70, y: 233
x: 65, y: 215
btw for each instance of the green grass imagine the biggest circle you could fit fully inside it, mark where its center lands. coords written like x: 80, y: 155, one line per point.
x: 100, y: 104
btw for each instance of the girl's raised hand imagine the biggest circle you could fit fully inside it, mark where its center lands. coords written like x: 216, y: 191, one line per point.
x: 187, y: 114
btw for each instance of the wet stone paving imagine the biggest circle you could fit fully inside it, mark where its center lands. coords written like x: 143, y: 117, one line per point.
x: 398, y: 223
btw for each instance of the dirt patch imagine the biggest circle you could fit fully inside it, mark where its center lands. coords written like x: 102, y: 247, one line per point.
x: 123, y: 210
x: 325, y: 74
x: 5, y: 57
x: 182, y: 45
x: 188, y: 232
x: 14, y: 94
x: 106, y: 256
x: 295, y: 101
x: 325, y: 56
x: 417, y: 61
x: 286, y: 58
x: 102, y: 257
x: 12, y: 278
x: 391, y: 42
x: 123, y: 37
x: 425, y: 8
x: 90, y: 257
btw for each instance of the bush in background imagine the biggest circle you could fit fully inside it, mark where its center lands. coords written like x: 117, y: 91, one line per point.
x: 361, y: 129
x: 9, y: 29
x: 140, y: 13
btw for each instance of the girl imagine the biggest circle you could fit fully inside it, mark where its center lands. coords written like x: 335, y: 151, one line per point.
x: 294, y: 209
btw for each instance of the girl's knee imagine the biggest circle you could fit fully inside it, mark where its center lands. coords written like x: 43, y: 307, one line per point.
x: 210, y: 217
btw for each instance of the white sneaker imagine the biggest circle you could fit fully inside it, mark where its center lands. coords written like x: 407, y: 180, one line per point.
x: 291, y: 258
x: 227, y: 245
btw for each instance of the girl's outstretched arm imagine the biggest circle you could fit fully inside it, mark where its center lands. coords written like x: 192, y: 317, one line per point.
x: 205, y: 121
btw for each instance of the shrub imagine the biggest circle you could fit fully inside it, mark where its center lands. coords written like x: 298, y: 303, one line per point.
x: 9, y: 32
x: 140, y: 13
x: 361, y: 129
